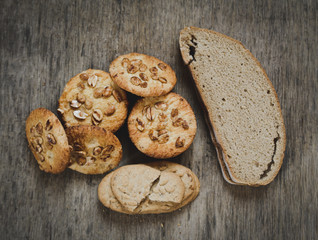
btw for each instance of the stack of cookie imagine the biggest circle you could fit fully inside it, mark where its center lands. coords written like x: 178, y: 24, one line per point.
x: 93, y: 106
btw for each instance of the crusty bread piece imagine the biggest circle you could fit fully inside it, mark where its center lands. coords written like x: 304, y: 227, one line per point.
x: 153, y: 188
x: 241, y: 103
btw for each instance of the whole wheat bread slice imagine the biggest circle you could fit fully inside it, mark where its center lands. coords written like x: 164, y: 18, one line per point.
x: 241, y: 104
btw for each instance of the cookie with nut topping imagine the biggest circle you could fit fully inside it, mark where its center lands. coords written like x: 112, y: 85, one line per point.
x: 142, y: 75
x: 94, y: 150
x: 47, y: 140
x: 162, y: 127
x: 92, y: 98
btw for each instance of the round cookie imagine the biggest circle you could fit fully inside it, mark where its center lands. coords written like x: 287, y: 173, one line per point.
x: 162, y: 127
x: 94, y: 150
x: 92, y: 98
x: 47, y: 140
x: 142, y: 75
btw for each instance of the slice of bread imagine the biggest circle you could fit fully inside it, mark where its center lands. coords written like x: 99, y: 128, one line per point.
x: 241, y: 104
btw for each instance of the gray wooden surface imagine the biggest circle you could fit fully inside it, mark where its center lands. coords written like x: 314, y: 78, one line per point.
x: 44, y: 43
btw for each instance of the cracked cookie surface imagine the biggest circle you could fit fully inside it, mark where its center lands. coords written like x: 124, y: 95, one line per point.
x: 47, y: 140
x: 142, y: 75
x: 162, y: 127
x: 92, y: 98
x: 94, y: 150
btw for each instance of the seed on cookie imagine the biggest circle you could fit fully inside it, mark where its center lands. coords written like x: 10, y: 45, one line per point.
x: 98, y: 115
x: 80, y: 115
x: 88, y: 104
x: 135, y: 81
x: 143, y: 84
x: 75, y: 104
x: 107, y: 91
x: 48, y: 125
x: 178, y: 122
x: 117, y: 96
x: 92, y: 81
x: 51, y: 139
x: 163, y: 80
x: 110, y: 109
x: 81, y: 98
x: 39, y: 128
x: 97, y: 150
x: 174, y: 112
x: 125, y: 62
x: 143, y: 68
x: 143, y: 76
x: 84, y: 76
x: 162, y: 66
x: 180, y: 142
x: 98, y: 92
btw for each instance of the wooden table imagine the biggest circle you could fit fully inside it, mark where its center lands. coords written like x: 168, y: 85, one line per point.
x: 44, y: 43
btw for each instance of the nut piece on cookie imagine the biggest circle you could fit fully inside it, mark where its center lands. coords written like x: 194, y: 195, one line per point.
x: 92, y: 98
x: 157, y: 187
x: 95, y: 150
x: 162, y: 127
x: 47, y: 140
x: 142, y: 75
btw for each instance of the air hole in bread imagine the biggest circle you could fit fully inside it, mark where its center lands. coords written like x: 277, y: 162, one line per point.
x: 223, y: 99
x: 268, y: 91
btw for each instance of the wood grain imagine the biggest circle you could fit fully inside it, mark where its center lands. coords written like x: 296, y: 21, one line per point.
x: 44, y: 43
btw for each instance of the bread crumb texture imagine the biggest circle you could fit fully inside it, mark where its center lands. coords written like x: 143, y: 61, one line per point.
x: 241, y: 103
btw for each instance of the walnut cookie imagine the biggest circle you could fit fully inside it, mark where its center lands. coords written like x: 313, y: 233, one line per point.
x: 47, y: 140
x: 94, y: 150
x: 162, y: 127
x: 92, y: 98
x: 158, y: 187
x: 142, y: 75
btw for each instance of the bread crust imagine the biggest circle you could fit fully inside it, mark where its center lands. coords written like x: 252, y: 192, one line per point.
x: 94, y: 97
x: 154, y: 147
x: 220, y: 145
x: 47, y: 140
x: 146, y: 85
x: 95, y: 150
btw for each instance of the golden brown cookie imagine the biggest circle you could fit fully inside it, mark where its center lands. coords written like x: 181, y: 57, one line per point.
x: 47, y: 140
x: 95, y: 150
x: 162, y: 127
x: 142, y: 75
x: 92, y: 98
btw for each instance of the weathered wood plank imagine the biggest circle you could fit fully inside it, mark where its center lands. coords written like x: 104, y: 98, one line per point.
x: 44, y: 43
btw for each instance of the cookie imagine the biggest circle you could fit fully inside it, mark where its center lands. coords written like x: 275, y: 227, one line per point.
x: 142, y: 75
x: 47, y: 140
x: 92, y: 98
x: 147, y: 192
x: 94, y: 150
x: 162, y: 127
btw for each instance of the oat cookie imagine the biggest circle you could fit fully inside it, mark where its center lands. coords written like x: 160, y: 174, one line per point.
x: 92, y: 98
x: 162, y: 127
x: 94, y: 150
x: 47, y: 140
x: 142, y: 75
x: 165, y: 188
